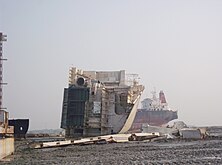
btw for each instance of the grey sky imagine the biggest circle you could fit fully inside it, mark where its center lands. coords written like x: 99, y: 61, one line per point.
x: 174, y: 45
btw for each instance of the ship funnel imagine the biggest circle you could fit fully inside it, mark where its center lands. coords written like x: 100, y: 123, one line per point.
x: 162, y: 97
x: 80, y: 81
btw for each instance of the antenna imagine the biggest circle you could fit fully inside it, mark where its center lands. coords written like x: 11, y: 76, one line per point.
x: 2, y: 38
x: 154, y: 94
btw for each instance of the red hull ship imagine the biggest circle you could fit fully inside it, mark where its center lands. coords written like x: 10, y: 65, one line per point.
x: 154, y: 112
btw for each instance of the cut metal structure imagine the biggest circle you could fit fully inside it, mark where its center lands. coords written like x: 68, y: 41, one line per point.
x: 99, y: 103
x: 117, y: 138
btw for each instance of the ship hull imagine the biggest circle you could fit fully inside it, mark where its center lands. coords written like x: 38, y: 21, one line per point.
x: 20, y: 127
x: 154, y: 118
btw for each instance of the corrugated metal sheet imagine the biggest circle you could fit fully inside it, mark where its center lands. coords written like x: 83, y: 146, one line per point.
x: 75, y: 115
x: 78, y: 94
x: 74, y: 106
x: 6, y: 147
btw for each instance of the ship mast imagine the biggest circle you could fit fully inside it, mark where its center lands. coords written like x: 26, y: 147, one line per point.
x: 2, y: 38
x: 154, y: 94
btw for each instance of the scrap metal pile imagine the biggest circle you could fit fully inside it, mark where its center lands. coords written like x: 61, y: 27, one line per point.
x: 150, y: 133
x: 115, y: 138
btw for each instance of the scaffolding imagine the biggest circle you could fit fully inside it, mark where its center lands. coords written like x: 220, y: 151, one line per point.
x: 2, y: 38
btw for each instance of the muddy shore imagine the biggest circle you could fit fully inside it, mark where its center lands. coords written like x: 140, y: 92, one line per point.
x: 208, y: 151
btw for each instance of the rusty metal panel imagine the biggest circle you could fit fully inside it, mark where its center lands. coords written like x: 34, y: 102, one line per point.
x: 2, y: 130
x: 8, y: 130
x: 7, y: 147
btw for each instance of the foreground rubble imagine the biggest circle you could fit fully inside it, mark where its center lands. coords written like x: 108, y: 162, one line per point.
x: 150, y: 133
x: 163, y: 151
x: 115, y: 138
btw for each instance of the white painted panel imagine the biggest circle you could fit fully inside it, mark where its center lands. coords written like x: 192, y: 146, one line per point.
x: 96, y: 107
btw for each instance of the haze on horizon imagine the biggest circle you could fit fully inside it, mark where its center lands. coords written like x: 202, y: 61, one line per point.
x: 174, y: 46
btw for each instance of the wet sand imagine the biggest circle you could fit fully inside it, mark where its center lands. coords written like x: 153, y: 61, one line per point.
x: 208, y: 151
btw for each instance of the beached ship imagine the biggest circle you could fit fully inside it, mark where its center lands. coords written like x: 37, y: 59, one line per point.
x: 155, y: 112
x: 99, y: 102
x: 21, y: 127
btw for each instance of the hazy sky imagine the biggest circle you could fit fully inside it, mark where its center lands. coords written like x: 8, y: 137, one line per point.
x: 174, y: 45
